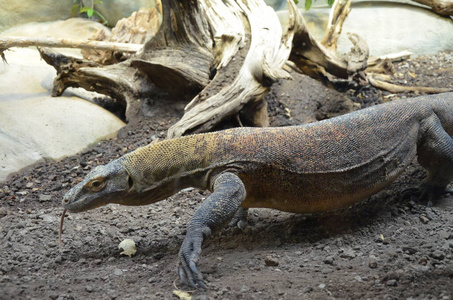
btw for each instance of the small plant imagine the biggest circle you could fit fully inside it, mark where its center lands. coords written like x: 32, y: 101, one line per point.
x: 80, y: 8
x: 309, y: 2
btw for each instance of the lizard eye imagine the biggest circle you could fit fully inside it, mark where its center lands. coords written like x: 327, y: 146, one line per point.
x: 96, y: 184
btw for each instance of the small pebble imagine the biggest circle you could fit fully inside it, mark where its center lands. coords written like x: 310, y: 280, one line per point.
x: 372, y: 263
x: 437, y: 254
x: 44, y: 198
x: 271, y: 261
x: 391, y: 282
x: 244, y: 289
x: 118, y: 272
x: 349, y: 254
x: 329, y: 260
x: 424, y: 219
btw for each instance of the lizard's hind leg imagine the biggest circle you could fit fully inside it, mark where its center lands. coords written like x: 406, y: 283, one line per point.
x: 435, y: 154
x: 239, y: 219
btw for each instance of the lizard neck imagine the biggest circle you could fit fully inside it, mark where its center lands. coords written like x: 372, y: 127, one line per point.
x: 164, y: 168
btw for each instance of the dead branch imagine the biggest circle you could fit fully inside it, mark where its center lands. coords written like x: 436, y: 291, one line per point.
x: 393, y: 57
x: 394, y: 88
x: 318, y: 62
x: 8, y: 42
x: 441, y: 7
x: 306, y: 50
x: 338, y: 14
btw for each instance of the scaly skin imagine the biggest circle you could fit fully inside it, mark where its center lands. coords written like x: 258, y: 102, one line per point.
x: 311, y: 168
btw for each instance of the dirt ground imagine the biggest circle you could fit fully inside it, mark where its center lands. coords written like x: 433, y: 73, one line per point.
x: 393, y: 247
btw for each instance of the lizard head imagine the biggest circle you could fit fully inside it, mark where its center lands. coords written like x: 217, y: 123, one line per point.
x: 103, y: 185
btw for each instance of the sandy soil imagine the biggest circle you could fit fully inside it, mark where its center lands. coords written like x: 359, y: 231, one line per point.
x: 392, y: 247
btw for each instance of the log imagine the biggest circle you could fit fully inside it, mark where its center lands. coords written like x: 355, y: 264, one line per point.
x: 441, y: 7
x: 260, y: 62
x: 223, y: 55
x: 173, y: 63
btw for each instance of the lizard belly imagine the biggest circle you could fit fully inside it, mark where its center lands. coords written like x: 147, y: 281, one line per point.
x: 304, y: 192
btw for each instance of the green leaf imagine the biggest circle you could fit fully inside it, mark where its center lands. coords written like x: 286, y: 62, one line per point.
x: 296, y: 1
x: 90, y: 12
x: 104, y: 20
x: 84, y: 9
x: 307, y: 4
x: 75, y: 9
x: 330, y: 2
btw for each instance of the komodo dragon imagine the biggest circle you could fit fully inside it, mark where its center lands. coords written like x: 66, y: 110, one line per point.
x: 311, y: 168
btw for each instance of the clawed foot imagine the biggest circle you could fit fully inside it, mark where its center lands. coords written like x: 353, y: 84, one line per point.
x: 431, y: 194
x: 189, y: 254
x: 426, y: 193
x: 239, y: 219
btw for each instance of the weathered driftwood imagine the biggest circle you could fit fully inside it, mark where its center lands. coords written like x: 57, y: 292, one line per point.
x: 338, y: 14
x: 394, y: 88
x: 441, y: 7
x: 320, y: 62
x: 260, y: 62
x: 223, y: 54
x: 11, y: 41
x: 136, y: 29
x: 174, y: 63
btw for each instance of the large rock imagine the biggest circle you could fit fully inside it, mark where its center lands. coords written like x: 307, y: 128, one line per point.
x: 13, y: 13
x: 74, y: 28
x: 34, y: 125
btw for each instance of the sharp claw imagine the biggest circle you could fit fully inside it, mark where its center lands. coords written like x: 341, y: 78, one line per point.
x: 182, y: 275
x: 189, y: 255
x: 193, y: 267
x: 201, y: 285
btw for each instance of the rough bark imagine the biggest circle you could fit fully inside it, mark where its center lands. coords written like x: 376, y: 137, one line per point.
x: 9, y: 42
x: 441, y: 7
x: 264, y: 52
x: 338, y: 14
x: 322, y: 63
x: 224, y: 54
x: 136, y: 29
x: 174, y: 63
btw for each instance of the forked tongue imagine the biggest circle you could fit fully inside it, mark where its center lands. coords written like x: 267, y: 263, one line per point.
x: 60, y: 232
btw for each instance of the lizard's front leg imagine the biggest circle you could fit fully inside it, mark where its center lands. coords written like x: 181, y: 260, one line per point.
x: 213, y: 213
